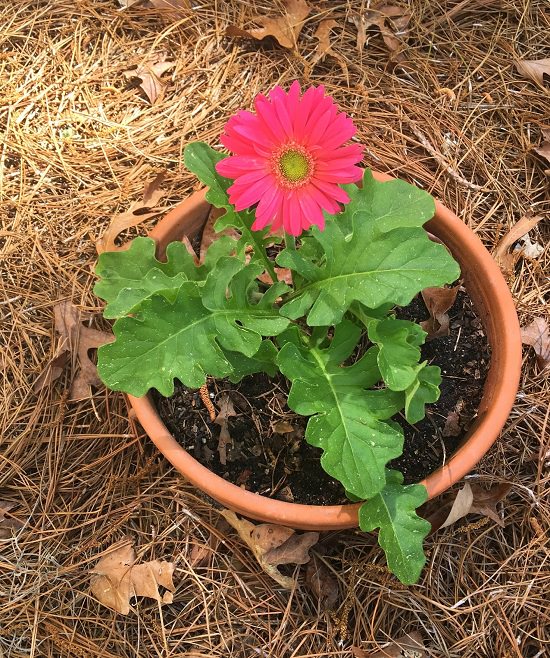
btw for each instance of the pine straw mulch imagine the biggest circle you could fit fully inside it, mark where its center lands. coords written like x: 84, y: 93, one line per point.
x: 78, y: 144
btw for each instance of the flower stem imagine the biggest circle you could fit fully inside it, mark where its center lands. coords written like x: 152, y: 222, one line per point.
x: 290, y: 242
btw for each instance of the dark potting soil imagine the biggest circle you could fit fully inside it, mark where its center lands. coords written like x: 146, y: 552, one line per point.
x: 267, y: 452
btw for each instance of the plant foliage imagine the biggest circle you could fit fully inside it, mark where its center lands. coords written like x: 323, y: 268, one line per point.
x: 179, y: 320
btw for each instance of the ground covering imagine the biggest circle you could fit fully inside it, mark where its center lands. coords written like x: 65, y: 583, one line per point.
x: 439, y: 101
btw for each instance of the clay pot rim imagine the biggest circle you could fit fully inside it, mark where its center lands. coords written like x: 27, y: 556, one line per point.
x: 506, y: 358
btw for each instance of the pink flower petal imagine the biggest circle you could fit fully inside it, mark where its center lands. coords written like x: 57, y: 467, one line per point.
x: 244, y: 196
x: 238, y: 165
x: 312, y: 213
x: 331, y: 190
x: 291, y: 193
x: 342, y: 176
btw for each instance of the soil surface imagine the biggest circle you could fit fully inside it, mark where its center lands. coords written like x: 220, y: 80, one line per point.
x: 267, y: 453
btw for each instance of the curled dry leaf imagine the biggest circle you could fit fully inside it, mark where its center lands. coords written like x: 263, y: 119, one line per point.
x: 202, y: 553
x: 150, y: 72
x: 528, y: 249
x: 322, y: 583
x: 77, y: 340
x: 438, y: 301
x: 283, y: 274
x: 209, y: 234
x: 285, y: 29
x: 116, y: 579
x: 391, y: 20
x: 471, y: 499
x: 537, y: 335
x: 535, y: 69
x: 137, y: 212
x: 283, y: 427
x: 8, y: 526
x: 324, y: 46
x: 502, y: 255
x: 53, y: 370
x: 544, y: 149
x: 274, y: 545
x: 226, y: 411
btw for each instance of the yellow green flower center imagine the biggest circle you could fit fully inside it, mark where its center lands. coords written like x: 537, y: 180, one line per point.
x: 294, y: 166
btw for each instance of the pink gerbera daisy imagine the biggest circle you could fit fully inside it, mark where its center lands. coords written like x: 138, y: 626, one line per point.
x: 289, y: 158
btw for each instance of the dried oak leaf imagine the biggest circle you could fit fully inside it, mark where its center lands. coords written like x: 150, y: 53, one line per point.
x: 544, y: 149
x: 506, y: 260
x: 77, y: 339
x: 150, y: 72
x: 407, y: 646
x: 138, y: 212
x: 226, y: 412
x: 391, y: 20
x: 322, y: 583
x: 324, y: 47
x: 8, y: 526
x: 274, y: 545
x: 116, y: 579
x: 471, y: 499
x: 52, y: 371
x: 285, y: 29
x: 537, y: 335
x: 209, y: 234
x: 202, y: 553
x: 438, y: 301
x: 535, y: 69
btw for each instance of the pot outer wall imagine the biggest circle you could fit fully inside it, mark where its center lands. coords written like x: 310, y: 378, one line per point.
x: 491, y: 297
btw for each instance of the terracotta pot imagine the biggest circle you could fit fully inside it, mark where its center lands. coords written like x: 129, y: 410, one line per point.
x: 493, y: 302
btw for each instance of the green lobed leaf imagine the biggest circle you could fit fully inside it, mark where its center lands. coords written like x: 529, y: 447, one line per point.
x: 262, y: 361
x: 367, y: 258
x: 398, y: 342
x: 423, y: 390
x: 390, y: 205
x: 402, y: 531
x: 128, y: 277
x: 201, y: 160
x: 189, y: 337
x: 349, y: 421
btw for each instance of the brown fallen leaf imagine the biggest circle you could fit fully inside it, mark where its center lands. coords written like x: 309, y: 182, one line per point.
x: 324, y: 47
x: 283, y: 427
x: 78, y: 339
x: 407, y: 646
x: 471, y: 499
x: 138, y: 212
x: 201, y: 553
x: 537, y: 335
x: 535, y: 69
x: 209, y: 234
x: 452, y: 424
x: 506, y: 260
x: 391, y: 20
x: 116, y: 579
x: 52, y: 371
x: 226, y: 412
x: 322, y: 583
x: 283, y: 274
x: 150, y: 72
x: 438, y: 301
x: 285, y: 29
x: 544, y: 149
x: 8, y: 526
x: 274, y: 545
